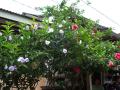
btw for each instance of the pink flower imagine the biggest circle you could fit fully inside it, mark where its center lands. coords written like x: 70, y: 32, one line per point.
x: 76, y: 69
x: 74, y: 27
x: 117, y: 56
x: 110, y: 64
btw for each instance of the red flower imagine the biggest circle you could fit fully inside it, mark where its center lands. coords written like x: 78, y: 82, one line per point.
x: 74, y: 27
x: 117, y: 56
x: 110, y: 64
x: 76, y: 69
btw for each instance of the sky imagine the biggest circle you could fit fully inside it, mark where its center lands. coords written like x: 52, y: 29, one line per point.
x: 108, y: 8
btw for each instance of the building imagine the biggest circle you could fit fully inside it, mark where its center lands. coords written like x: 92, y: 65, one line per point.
x: 26, y: 18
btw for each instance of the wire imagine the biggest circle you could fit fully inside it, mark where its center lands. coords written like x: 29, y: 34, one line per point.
x: 55, y: 1
x: 113, y: 21
x: 25, y: 5
x: 83, y: 2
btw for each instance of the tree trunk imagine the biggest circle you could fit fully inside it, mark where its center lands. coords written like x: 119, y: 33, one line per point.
x: 87, y: 81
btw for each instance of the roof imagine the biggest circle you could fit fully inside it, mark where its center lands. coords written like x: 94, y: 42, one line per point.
x: 12, y: 12
x: 37, y: 17
x: 25, y: 15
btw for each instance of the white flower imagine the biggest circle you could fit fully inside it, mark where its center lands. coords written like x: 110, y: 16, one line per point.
x: 23, y: 60
x: 62, y: 9
x: 46, y: 64
x: 87, y: 46
x: 66, y: 8
x: 46, y: 21
x: 51, y: 19
x: 64, y: 21
x: 27, y: 27
x: 61, y: 32
x: 6, y: 67
x: 28, y: 52
x: 21, y: 37
x: 12, y: 68
x: 26, y: 60
x: 50, y: 30
x: 69, y: 27
x: 93, y: 33
x: 10, y: 38
x: 28, y: 37
x: 60, y: 25
x: 0, y: 33
x: 80, y: 42
x: 64, y: 50
x: 36, y: 26
x: 47, y: 42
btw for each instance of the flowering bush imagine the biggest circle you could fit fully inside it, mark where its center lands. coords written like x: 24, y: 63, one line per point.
x: 68, y: 44
x: 20, y: 55
x: 75, y: 42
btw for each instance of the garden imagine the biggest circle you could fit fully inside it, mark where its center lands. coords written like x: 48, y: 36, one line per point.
x: 67, y: 50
